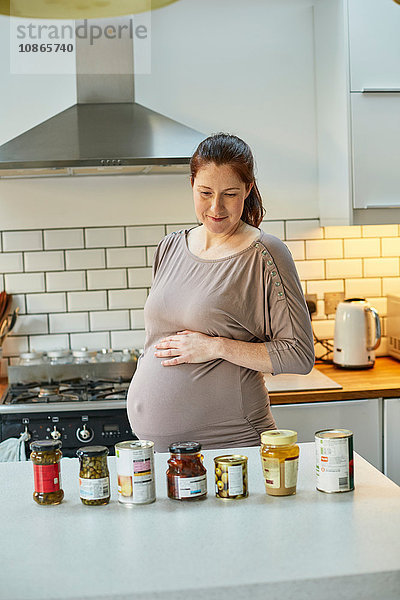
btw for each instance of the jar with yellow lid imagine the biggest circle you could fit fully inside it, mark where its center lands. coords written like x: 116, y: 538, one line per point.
x: 280, y: 461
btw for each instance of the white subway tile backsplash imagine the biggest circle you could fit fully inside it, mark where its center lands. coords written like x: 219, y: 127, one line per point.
x: 128, y: 339
x: 150, y: 252
x: 44, y: 343
x: 109, y: 320
x: 85, y: 259
x: 11, y: 262
x: 30, y: 324
x: 44, y: 261
x: 321, y: 287
x: 146, y: 235
x: 13, y: 346
x: 346, y: 268
x: 137, y: 319
x: 60, y: 239
x: 343, y: 231
x: 22, y: 240
x: 310, y: 269
x: 391, y: 285
x: 104, y: 237
x: 18, y: 300
x: 65, y: 281
x: 24, y: 282
x: 324, y: 249
x: 276, y: 228
x: 380, y: 304
x: 87, y: 301
x: 381, y: 267
x: 362, y: 247
x: 46, y: 303
x: 139, y: 277
x: 92, y: 341
x: 304, y: 230
x: 324, y: 330
x: 68, y: 322
x: 360, y: 288
x: 126, y: 257
x: 127, y: 298
x: 106, y: 279
x: 297, y: 249
x: 391, y: 246
x: 379, y: 230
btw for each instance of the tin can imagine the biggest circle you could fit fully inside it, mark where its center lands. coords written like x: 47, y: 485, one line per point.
x: 135, y: 471
x: 231, y: 482
x: 334, y: 460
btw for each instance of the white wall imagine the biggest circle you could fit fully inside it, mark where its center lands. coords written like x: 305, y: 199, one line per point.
x: 242, y: 67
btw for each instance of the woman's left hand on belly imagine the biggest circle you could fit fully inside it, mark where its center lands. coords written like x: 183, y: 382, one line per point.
x: 187, y: 347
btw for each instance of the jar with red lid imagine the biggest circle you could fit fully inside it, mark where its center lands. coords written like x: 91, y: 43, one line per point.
x: 46, y: 456
x: 186, y: 474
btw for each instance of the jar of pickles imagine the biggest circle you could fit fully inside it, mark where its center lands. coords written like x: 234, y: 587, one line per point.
x: 94, y: 477
x: 46, y: 456
x: 186, y: 474
x: 280, y: 461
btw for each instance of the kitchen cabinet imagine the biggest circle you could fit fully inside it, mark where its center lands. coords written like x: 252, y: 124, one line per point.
x: 363, y: 417
x: 391, y: 428
x: 357, y: 58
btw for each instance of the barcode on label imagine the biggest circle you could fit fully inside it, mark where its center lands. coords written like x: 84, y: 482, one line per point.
x: 343, y: 482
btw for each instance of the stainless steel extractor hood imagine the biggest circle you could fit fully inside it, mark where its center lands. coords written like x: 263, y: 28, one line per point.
x: 106, y: 132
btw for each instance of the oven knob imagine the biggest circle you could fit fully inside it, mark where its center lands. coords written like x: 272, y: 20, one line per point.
x: 85, y: 434
x: 55, y: 434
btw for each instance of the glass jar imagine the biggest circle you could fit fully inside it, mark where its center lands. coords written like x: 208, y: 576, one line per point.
x: 186, y: 474
x: 32, y: 358
x: 46, y: 456
x: 59, y: 357
x: 94, y: 477
x: 83, y: 356
x: 280, y: 461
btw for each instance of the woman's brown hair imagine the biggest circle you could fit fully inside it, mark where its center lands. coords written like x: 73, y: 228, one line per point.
x: 226, y: 149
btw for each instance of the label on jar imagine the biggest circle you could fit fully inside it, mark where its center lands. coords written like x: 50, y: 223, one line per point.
x: 291, y: 468
x: 191, y: 487
x: 94, y: 489
x: 272, y: 473
x: 235, y: 480
x: 47, y: 478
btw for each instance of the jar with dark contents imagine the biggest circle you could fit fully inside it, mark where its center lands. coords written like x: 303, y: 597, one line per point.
x: 46, y: 456
x: 94, y: 477
x: 186, y: 474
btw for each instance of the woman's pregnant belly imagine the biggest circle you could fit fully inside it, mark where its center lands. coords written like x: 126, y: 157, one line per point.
x: 186, y: 397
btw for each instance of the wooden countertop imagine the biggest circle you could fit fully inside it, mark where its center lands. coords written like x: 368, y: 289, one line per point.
x: 382, y: 381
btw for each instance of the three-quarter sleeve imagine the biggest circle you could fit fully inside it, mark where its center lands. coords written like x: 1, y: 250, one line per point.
x: 287, y: 321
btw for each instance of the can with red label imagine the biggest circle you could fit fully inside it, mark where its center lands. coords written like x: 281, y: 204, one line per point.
x: 334, y: 460
x: 46, y: 456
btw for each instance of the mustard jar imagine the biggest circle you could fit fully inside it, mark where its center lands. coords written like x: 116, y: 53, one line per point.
x: 280, y: 461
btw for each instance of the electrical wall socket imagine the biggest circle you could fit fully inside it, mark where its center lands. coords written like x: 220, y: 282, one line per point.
x: 312, y: 298
x: 331, y: 300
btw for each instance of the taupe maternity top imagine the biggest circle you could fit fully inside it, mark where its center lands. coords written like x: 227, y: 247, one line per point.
x: 254, y: 296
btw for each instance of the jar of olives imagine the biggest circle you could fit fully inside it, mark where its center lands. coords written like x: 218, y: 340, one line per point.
x: 186, y: 474
x: 46, y: 456
x: 94, y: 477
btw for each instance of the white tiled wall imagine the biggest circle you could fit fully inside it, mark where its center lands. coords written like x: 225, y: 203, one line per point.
x: 88, y: 286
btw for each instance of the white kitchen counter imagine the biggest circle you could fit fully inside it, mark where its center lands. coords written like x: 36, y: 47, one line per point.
x: 311, y: 545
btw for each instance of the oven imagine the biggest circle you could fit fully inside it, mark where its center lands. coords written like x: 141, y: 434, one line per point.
x: 78, y: 404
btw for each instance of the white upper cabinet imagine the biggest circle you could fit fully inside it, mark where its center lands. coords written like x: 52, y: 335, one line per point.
x: 374, y: 36
x: 357, y: 62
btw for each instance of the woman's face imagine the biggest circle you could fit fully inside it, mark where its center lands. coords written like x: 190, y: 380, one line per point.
x: 219, y: 196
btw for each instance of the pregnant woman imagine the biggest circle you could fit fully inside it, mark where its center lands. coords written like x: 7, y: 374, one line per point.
x: 225, y: 306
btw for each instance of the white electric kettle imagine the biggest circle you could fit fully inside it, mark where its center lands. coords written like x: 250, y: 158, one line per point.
x: 357, y: 334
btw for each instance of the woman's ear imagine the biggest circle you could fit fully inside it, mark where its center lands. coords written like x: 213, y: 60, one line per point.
x: 249, y: 189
